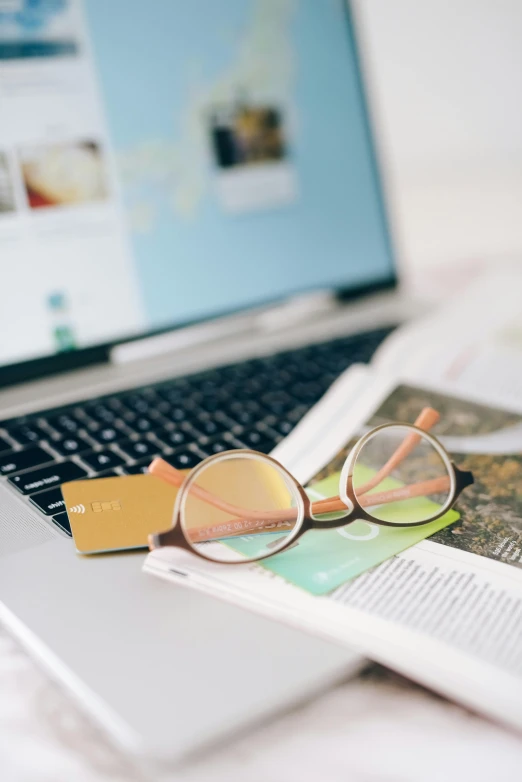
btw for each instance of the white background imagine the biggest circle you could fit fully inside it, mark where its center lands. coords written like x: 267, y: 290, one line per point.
x: 447, y: 88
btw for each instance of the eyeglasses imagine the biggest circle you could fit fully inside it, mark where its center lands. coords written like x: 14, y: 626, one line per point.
x: 396, y: 475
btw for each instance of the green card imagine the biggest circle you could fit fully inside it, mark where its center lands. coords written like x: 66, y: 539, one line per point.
x: 324, y: 559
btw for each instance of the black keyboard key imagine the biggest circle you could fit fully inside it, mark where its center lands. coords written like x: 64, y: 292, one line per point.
x: 4, y: 445
x: 62, y: 521
x: 278, y: 402
x: 70, y: 445
x: 174, y: 439
x: 141, y: 424
x: 183, y: 459
x: 64, y: 423
x: 47, y: 477
x: 164, y: 404
x: 281, y: 379
x: 217, y: 445
x: 137, y: 469
x: 139, y: 449
x: 102, y: 460
x: 247, y: 418
x: 104, y: 474
x: 16, y: 461
x: 104, y: 435
x: 178, y: 414
x: 210, y: 427
x: 246, y: 413
x: 162, y: 408
x: 138, y: 404
x: 213, y: 404
x: 248, y: 404
x: 284, y: 427
x: 238, y: 373
x: 252, y: 388
x: 101, y: 413
x: 27, y: 434
x: 307, y: 392
x: 49, y: 502
x: 258, y: 441
x: 210, y: 383
x: 113, y: 403
x: 178, y: 391
x: 193, y: 435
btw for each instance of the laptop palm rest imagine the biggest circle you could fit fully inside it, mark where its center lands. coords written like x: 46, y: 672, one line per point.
x: 165, y: 668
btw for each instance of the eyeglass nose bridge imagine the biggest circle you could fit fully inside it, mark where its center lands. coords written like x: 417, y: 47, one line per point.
x: 353, y: 510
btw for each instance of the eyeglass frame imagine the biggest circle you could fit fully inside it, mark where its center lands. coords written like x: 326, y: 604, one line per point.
x: 176, y: 537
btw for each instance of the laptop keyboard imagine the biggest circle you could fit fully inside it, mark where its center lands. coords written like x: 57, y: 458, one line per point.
x: 252, y: 404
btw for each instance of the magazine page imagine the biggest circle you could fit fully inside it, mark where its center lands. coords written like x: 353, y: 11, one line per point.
x: 446, y: 610
x: 474, y: 341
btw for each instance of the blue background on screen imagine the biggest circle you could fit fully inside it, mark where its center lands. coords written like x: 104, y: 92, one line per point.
x: 150, y: 58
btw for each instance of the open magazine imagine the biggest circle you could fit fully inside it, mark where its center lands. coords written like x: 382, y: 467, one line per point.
x: 445, y: 609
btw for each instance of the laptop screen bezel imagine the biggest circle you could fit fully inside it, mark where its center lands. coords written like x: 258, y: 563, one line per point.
x: 24, y: 371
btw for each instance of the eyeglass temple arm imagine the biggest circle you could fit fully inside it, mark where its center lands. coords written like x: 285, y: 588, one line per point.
x: 285, y: 519
x: 163, y: 470
x: 426, y: 419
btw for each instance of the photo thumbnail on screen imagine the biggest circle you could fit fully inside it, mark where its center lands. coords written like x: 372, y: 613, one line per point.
x: 7, y: 202
x: 246, y: 134
x: 63, y: 174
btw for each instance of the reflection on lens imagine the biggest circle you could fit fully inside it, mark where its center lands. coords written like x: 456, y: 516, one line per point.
x: 400, y: 476
x: 240, y: 506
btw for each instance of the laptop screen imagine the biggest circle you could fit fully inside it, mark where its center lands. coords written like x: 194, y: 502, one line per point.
x: 162, y: 162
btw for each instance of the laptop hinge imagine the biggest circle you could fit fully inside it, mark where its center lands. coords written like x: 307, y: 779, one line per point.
x: 260, y: 320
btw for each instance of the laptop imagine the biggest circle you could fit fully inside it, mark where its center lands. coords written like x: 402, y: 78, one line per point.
x: 193, y: 247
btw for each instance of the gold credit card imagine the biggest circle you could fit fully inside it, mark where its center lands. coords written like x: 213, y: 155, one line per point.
x: 114, y: 514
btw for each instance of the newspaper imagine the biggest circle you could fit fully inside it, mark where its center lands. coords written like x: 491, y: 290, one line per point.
x: 474, y: 342
x: 448, y: 610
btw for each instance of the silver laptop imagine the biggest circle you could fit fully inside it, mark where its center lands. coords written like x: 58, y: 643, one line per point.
x: 193, y: 246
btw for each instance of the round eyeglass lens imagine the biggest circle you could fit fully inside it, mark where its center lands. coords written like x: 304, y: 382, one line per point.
x: 239, y: 507
x: 401, y: 477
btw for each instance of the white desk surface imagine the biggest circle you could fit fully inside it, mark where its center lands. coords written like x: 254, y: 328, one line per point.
x: 375, y: 728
